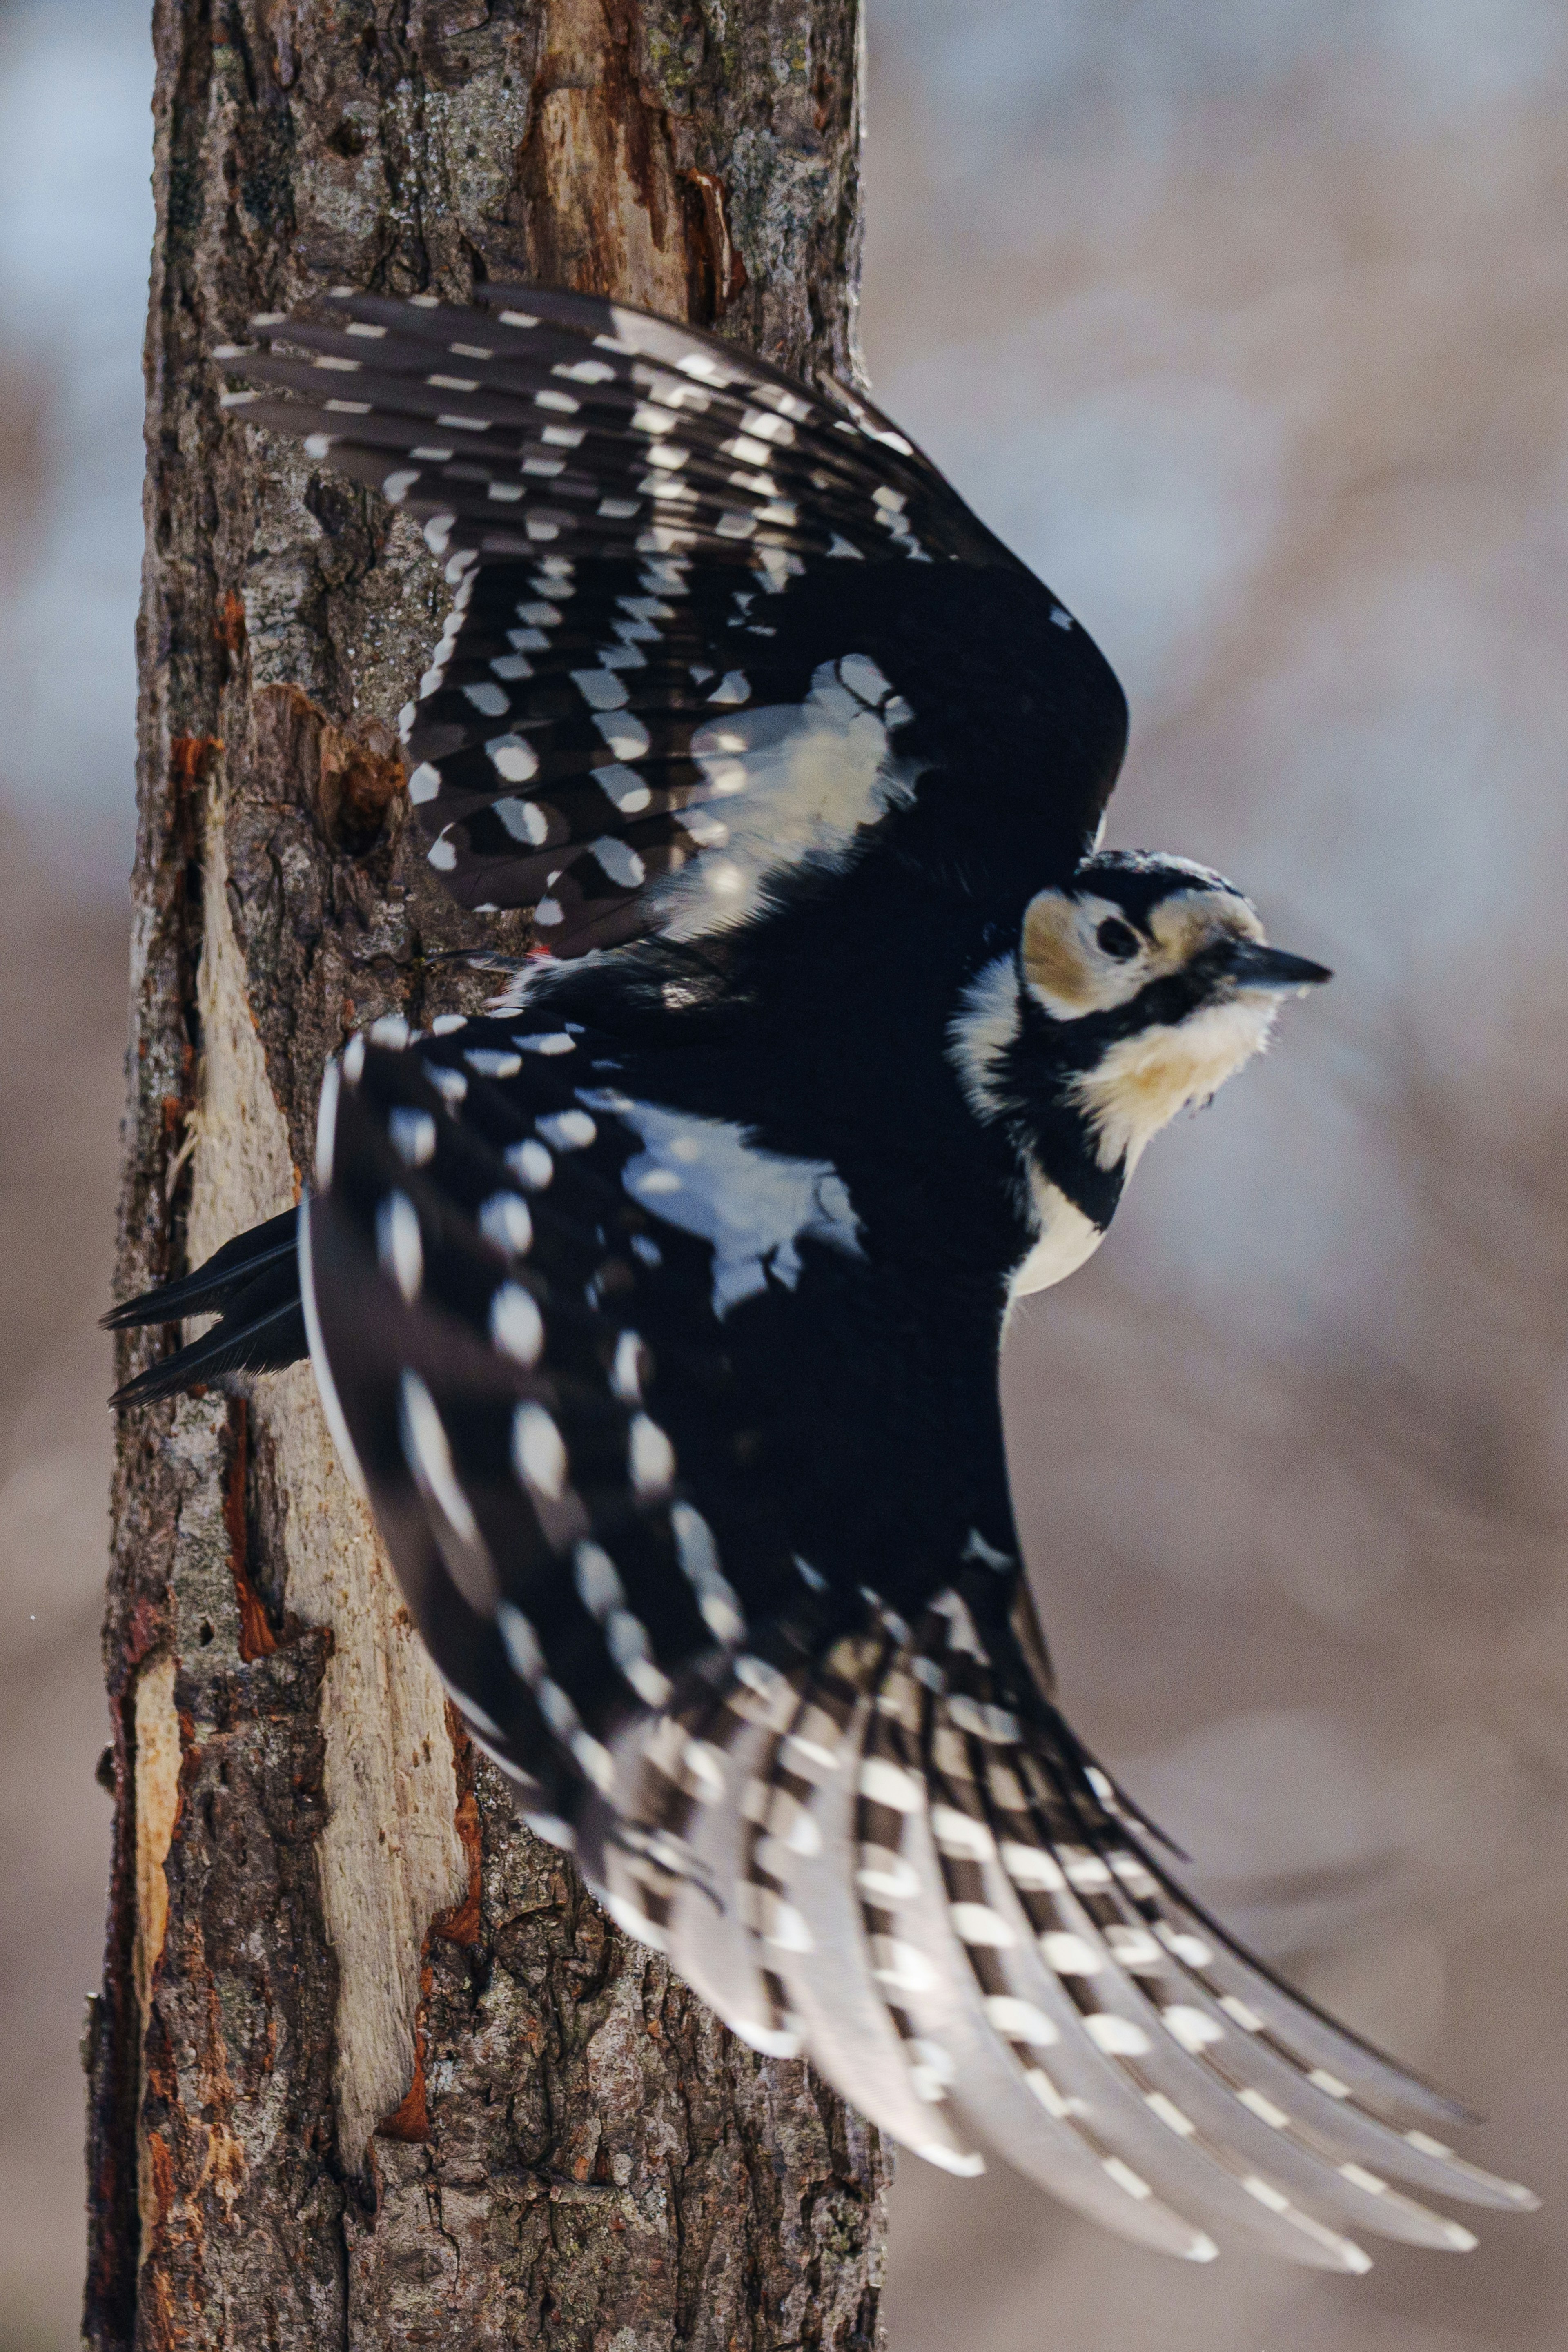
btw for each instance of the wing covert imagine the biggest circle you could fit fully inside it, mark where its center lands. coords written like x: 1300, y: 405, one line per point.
x: 709, y: 625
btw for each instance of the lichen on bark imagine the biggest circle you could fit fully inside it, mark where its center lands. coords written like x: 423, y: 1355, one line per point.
x: 369, y: 2066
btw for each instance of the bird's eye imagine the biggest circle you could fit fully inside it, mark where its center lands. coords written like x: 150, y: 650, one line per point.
x: 1118, y: 939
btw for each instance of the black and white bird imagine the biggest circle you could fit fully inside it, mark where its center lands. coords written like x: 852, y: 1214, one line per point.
x: 658, y: 1312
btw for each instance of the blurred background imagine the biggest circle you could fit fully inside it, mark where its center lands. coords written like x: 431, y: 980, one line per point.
x: 1243, y: 322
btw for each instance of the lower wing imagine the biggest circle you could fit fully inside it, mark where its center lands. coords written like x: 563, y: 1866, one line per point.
x: 865, y: 1834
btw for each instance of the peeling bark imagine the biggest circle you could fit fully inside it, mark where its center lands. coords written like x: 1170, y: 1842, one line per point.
x: 369, y: 2067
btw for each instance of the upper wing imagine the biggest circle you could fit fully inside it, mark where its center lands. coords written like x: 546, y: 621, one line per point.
x: 699, y: 608
x: 619, y: 1383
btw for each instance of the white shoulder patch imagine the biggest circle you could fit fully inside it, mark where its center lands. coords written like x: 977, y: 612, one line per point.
x: 707, y: 1177
x: 791, y: 782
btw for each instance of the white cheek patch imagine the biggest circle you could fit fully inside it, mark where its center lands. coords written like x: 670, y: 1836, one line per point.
x: 1143, y: 1081
x: 705, y: 1176
x: 799, y: 781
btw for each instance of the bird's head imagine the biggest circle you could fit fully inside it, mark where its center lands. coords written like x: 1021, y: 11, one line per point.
x: 1135, y: 990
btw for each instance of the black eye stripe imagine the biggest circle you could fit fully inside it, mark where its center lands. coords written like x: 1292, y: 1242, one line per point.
x: 1117, y: 938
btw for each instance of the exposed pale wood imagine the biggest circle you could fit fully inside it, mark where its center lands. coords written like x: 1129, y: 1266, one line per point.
x: 381, y: 2073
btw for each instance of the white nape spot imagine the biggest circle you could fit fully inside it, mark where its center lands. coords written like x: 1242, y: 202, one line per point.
x: 1268, y: 2113
x: 391, y: 1030
x: 1133, y: 1947
x: 486, y: 1062
x: 733, y: 687
x: 412, y: 1135
x: 755, y: 1207
x: 442, y: 854
x: 512, y: 759
x: 1125, y: 2177
x: 716, y: 1599
x: 624, y: 787
x: 1070, y: 1955
x: 977, y: 1924
x: 539, y: 1451
x: 1033, y: 1869
x: 524, y: 820
x: 626, y: 736
x: 1170, y: 2114
x: 517, y: 1328
x: 424, y: 783
x: 884, y: 1783
x: 1248, y: 2019
x: 504, y: 1220
x: 627, y: 1372
x: 650, y: 1456
x: 519, y: 1641
x: 530, y: 1163
x: 488, y: 699
x: 1195, y: 2029
x: 567, y: 1130
x: 1020, y: 2021
x: 550, y: 1041
x: 548, y: 912
x: 1117, y: 2036
x: 398, y: 1245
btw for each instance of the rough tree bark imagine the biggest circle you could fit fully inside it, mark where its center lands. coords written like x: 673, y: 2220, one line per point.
x: 368, y: 2066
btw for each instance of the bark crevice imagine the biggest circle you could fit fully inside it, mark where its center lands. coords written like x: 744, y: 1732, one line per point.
x: 369, y: 2067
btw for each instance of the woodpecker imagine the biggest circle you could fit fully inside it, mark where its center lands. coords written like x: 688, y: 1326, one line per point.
x: 657, y: 1311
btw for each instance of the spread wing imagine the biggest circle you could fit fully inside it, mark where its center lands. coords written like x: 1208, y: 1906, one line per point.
x: 595, y: 1353
x: 708, y: 625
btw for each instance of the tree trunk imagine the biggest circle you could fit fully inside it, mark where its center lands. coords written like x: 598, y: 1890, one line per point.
x: 369, y: 2067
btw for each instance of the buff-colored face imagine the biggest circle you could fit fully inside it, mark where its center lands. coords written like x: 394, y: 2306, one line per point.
x: 1074, y: 949
x: 1083, y: 955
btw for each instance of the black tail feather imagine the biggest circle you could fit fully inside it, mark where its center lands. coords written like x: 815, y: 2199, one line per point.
x: 253, y: 1284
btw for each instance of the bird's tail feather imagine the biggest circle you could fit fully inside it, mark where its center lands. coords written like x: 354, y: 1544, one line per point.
x: 252, y: 1284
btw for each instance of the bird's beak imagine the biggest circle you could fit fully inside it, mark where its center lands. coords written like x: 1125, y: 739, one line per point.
x: 1250, y: 964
